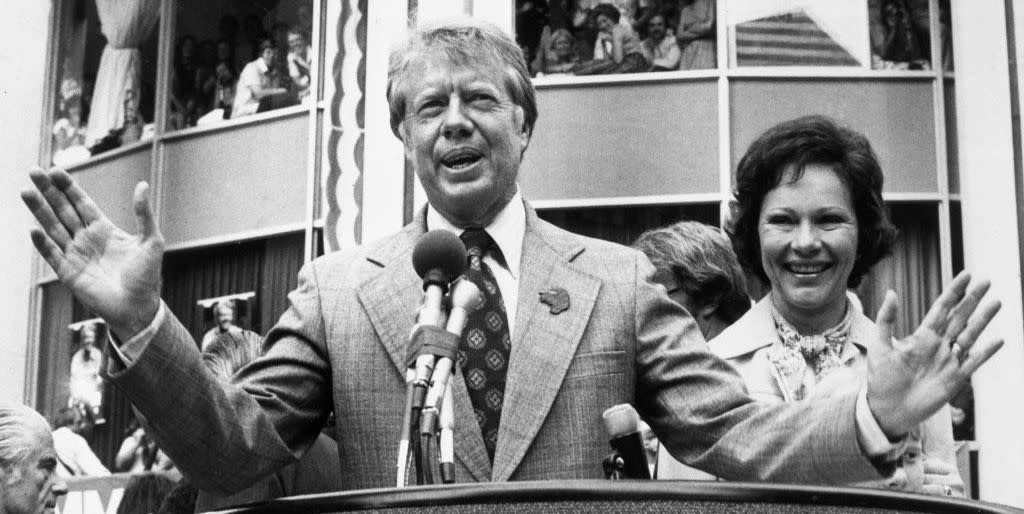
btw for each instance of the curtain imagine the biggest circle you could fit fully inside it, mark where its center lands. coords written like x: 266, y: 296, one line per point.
x: 126, y: 24
x: 55, y: 349
x: 913, y: 270
x: 281, y: 264
x: 192, y: 275
x: 624, y: 224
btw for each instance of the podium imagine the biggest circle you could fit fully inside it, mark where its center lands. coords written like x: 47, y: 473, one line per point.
x: 602, y: 496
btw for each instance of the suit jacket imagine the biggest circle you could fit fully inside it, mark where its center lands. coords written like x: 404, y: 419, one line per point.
x: 341, y: 345
x: 746, y: 344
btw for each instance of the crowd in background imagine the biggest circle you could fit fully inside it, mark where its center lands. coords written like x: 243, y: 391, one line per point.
x: 244, y: 70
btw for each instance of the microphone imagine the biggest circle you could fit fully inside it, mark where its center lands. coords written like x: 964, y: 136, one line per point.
x: 466, y: 297
x: 438, y: 258
x: 629, y: 460
x: 437, y: 410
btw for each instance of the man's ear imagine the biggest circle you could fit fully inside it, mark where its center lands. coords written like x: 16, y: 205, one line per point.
x: 403, y: 136
x: 524, y: 131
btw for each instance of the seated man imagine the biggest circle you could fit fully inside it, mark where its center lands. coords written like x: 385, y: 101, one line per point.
x: 256, y: 82
x: 661, y: 48
x: 572, y: 325
x: 28, y: 462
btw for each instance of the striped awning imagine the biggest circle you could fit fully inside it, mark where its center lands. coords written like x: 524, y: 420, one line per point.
x: 789, y: 39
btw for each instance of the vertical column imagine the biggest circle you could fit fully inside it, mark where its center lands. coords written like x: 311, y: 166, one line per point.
x: 24, y: 88
x: 384, y: 177
x: 991, y: 227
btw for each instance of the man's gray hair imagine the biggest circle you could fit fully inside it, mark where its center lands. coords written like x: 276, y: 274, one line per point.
x: 17, y: 437
x: 463, y: 41
x: 704, y: 263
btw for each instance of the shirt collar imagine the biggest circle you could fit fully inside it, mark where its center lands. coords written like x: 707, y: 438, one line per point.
x: 508, y: 230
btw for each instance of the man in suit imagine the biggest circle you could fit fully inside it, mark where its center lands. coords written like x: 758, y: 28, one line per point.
x: 572, y: 325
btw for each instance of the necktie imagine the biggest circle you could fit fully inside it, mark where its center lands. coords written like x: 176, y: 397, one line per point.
x: 486, y: 344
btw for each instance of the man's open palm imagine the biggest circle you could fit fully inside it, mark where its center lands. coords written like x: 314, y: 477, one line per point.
x: 113, y: 273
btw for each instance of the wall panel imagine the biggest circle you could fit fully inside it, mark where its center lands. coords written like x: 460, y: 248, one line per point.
x: 897, y: 116
x: 244, y: 179
x: 111, y: 183
x: 616, y: 140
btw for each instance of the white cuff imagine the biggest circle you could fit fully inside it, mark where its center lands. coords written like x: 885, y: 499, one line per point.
x: 131, y: 349
x: 873, y: 440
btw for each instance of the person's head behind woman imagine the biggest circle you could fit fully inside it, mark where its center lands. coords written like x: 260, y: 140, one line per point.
x: 813, y: 174
x: 698, y: 268
x: 230, y: 351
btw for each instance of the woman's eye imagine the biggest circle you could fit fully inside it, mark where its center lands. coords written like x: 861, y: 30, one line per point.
x: 780, y: 220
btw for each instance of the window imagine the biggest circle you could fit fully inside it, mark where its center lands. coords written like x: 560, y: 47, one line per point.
x: 235, y: 58
x: 587, y: 37
x: 106, y: 71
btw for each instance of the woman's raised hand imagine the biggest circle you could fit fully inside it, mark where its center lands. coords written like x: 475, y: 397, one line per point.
x: 911, y: 378
x: 113, y: 273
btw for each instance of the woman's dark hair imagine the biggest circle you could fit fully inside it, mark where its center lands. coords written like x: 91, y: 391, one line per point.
x: 796, y: 144
x: 607, y: 10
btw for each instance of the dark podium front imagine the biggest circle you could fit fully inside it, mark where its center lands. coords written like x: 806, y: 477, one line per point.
x: 599, y: 496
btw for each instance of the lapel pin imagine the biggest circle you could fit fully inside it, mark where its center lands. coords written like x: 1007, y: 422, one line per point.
x: 556, y: 298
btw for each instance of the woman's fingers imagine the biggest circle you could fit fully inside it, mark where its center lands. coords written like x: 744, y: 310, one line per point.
x: 46, y: 218
x: 58, y: 202
x: 975, y: 326
x: 978, y: 355
x: 959, y: 316
x: 937, y: 316
x: 144, y: 212
x: 87, y: 210
x: 886, y: 319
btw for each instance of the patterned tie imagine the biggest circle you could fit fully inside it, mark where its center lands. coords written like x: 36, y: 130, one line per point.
x: 486, y: 344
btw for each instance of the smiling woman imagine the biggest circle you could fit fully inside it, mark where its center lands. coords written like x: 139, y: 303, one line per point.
x: 808, y: 218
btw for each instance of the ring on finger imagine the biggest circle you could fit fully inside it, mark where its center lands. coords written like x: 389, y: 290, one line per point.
x: 947, y: 490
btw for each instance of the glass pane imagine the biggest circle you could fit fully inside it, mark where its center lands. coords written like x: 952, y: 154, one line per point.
x: 107, y: 68
x: 945, y: 31
x: 900, y: 34
x: 798, y: 33
x: 235, y: 58
x: 587, y: 37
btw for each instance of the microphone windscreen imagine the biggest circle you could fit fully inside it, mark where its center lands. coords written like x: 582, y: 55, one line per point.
x: 439, y: 250
x: 621, y: 420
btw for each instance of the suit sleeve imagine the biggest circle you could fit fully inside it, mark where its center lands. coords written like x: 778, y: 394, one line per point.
x: 222, y: 435
x: 699, y: 407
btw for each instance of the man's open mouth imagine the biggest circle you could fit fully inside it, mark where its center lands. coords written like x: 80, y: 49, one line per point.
x: 461, y: 158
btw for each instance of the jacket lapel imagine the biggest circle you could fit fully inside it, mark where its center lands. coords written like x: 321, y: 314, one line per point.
x: 544, y: 343
x: 391, y: 299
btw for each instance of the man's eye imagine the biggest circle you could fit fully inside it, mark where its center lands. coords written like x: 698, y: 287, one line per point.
x: 431, y: 107
x: 482, y: 98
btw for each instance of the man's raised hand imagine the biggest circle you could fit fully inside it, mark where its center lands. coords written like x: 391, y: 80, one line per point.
x: 113, y: 273
x: 911, y: 378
